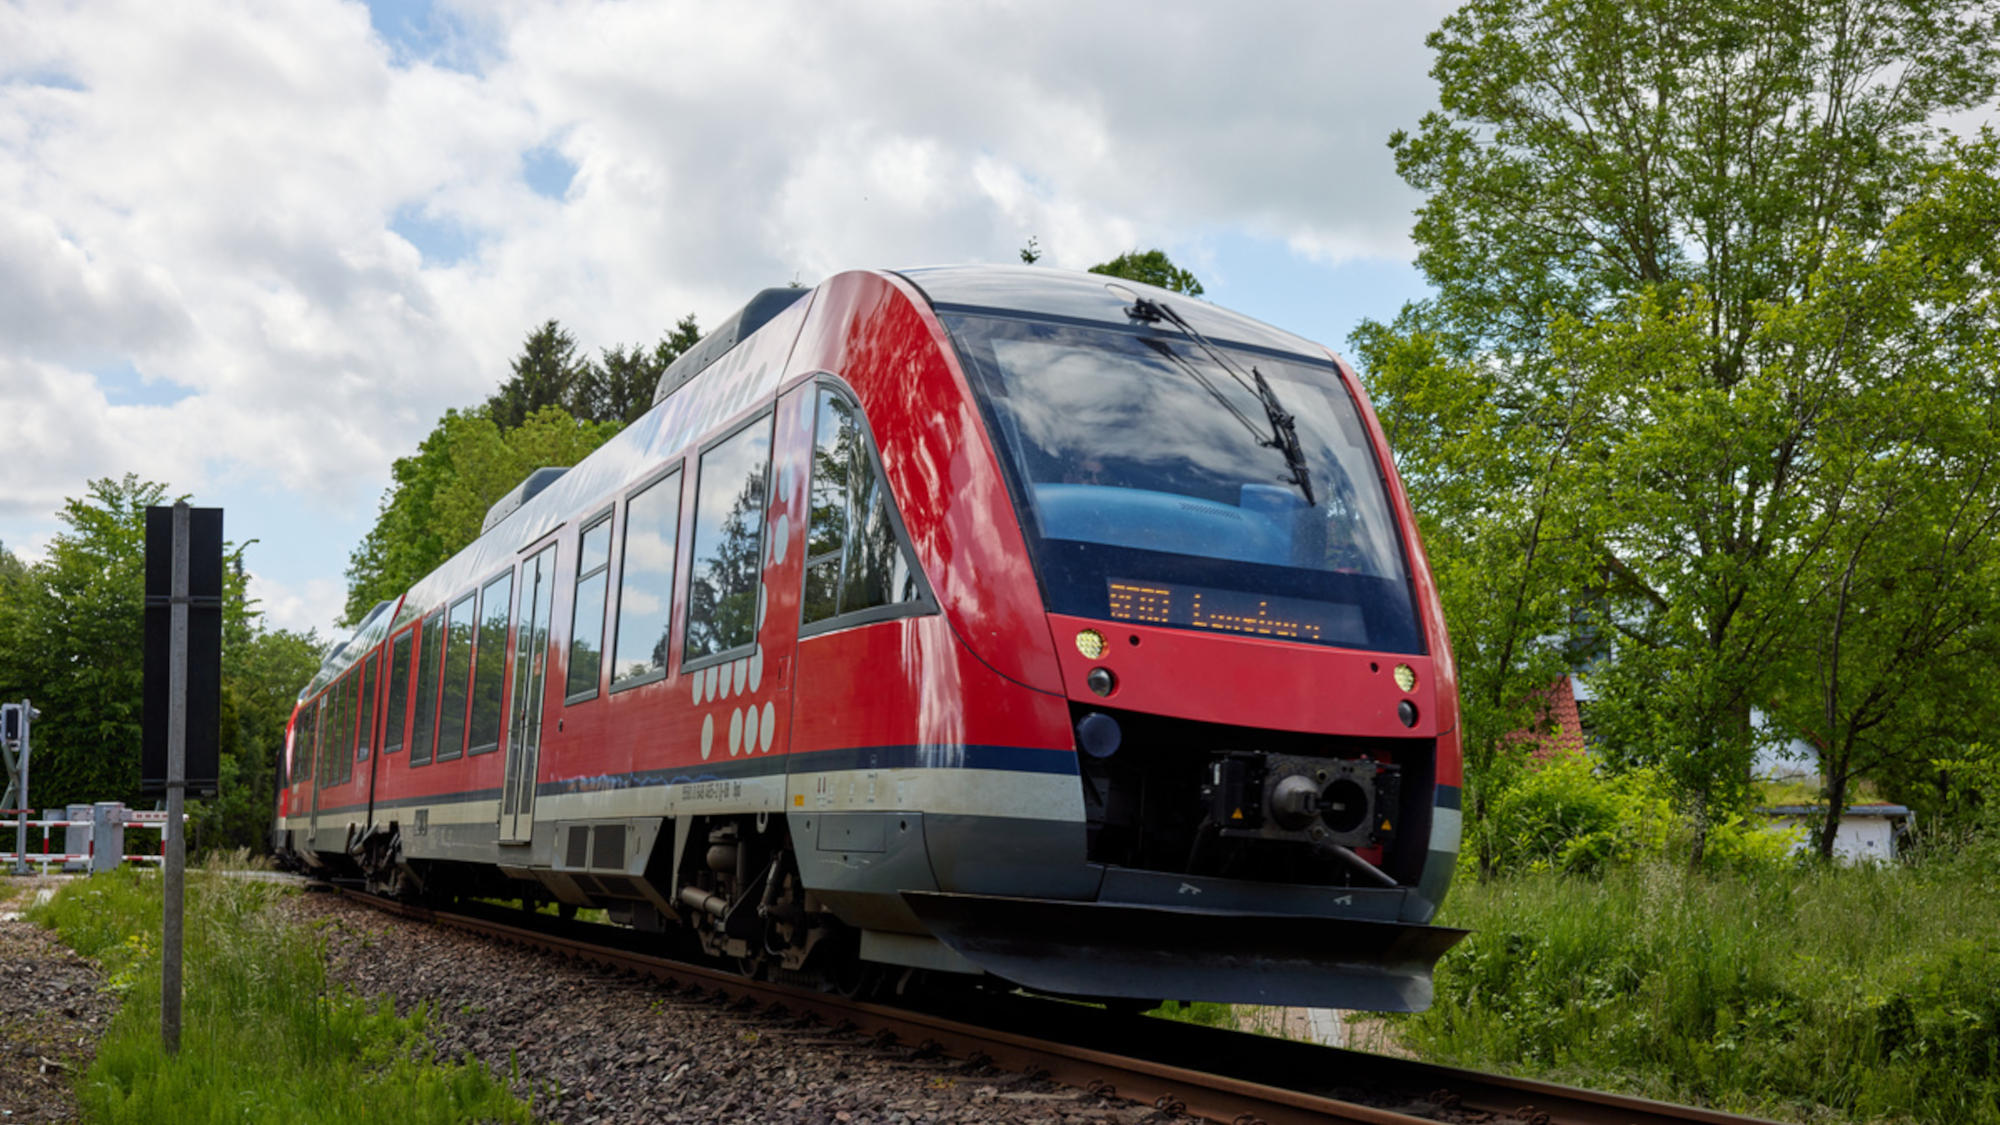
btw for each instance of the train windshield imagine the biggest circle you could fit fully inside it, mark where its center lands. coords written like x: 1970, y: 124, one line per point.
x: 1152, y: 490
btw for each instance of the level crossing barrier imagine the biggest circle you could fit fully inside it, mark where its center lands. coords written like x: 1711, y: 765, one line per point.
x: 83, y: 829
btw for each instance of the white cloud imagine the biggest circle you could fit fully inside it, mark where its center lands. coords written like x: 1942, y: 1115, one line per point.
x: 210, y: 194
x: 316, y: 604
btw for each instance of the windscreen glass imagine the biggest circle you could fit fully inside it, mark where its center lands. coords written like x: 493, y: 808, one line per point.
x: 1154, y: 492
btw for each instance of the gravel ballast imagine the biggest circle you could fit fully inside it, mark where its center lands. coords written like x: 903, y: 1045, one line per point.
x: 593, y: 1047
x: 53, y: 1008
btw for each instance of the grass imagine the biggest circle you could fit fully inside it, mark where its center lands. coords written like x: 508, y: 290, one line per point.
x: 264, y: 1036
x: 1811, y: 994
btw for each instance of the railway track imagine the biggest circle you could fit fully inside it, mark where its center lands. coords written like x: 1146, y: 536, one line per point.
x: 1216, y: 1075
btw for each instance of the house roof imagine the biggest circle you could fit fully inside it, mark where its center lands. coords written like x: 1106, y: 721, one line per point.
x: 1893, y: 812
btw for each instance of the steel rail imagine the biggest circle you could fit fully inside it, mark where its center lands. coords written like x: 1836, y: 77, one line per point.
x: 1216, y: 1075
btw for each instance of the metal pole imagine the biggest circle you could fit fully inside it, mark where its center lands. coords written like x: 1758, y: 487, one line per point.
x: 171, y: 833
x: 21, y: 827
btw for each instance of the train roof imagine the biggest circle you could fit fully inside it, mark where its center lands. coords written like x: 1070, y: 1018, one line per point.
x: 1070, y: 295
x: 719, y: 340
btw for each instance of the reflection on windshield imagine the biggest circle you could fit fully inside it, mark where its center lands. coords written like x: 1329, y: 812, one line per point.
x: 1121, y: 443
x: 1118, y: 411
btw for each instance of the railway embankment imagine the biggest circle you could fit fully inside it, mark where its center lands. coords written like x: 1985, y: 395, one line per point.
x: 595, y: 1047
x: 305, y: 1007
x: 1796, y: 992
x: 53, y: 1008
x: 267, y: 1034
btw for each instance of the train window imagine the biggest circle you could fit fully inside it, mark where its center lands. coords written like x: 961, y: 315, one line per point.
x: 329, y: 737
x: 350, y: 696
x: 320, y: 755
x: 646, y: 582
x: 431, y: 648
x: 399, y: 694
x: 348, y: 704
x: 311, y: 736
x: 369, y: 685
x: 339, y: 730
x: 457, y: 670
x: 586, y: 627
x: 856, y: 559
x: 728, y: 540
x: 489, y: 675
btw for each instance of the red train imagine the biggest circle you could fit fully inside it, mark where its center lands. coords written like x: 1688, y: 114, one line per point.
x: 996, y: 621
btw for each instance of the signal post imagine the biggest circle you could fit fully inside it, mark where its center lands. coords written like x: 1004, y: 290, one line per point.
x: 182, y: 704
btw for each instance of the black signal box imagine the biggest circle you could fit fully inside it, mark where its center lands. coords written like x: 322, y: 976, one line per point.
x: 204, y: 650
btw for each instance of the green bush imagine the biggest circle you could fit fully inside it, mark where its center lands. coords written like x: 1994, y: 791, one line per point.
x: 1746, y: 845
x: 264, y: 1037
x: 1563, y: 816
x: 1803, y: 992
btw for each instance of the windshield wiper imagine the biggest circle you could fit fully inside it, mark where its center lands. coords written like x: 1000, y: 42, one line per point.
x: 1284, y: 431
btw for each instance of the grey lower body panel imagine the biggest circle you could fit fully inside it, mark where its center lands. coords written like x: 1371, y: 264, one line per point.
x: 996, y: 855
x: 859, y: 863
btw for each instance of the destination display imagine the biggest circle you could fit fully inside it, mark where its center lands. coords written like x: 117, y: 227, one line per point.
x: 1233, y: 611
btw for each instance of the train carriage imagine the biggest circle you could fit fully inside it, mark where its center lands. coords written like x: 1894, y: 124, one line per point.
x: 1007, y: 622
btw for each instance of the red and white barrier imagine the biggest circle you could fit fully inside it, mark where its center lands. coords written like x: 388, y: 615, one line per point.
x: 156, y: 821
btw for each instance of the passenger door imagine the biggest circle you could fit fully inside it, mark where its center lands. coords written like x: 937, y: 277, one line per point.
x: 531, y: 665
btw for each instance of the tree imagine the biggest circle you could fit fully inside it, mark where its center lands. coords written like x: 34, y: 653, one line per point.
x: 71, y: 640
x: 1152, y: 267
x: 546, y: 374
x: 442, y: 493
x: 554, y: 410
x: 1493, y: 500
x: 1031, y: 253
x: 619, y: 387
x: 1903, y: 614
x: 1663, y: 202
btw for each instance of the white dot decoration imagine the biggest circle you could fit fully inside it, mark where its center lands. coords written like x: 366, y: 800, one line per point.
x: 750, y: 731
x: 739, y: 671
x: 707, y: 735
x: 770, y: 720
x: 757, y: 669
x: 698, y: 678
x: 735, y: 731
x: 710, y: 689
x: 781, y: 534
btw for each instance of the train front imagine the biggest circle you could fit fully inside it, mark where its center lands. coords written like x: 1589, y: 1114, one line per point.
x: 1257, y: 672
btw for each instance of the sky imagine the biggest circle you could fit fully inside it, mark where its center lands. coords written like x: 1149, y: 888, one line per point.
x: 253, y: 250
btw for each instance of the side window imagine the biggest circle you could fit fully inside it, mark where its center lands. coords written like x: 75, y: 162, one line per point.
x: 586, y: 626
x: 646, y: 582
x: 348, y: 704
x: 728, y: 540
x: 854, y: 558
x: 496, y: 605
x: 399, y: 694
x: 458, y: 632
x: 311, y: 737
x: 340, y: 759
x: 369, y: 685
x: 431, y: 648
x: 329, y: 736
